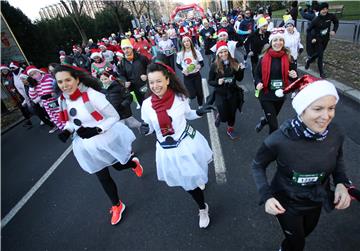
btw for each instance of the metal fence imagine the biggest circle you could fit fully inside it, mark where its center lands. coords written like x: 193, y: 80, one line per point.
x: 348, y: 30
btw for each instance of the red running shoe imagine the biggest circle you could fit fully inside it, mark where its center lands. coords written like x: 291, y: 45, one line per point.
x: 138, y: 170
x: 116, y: 212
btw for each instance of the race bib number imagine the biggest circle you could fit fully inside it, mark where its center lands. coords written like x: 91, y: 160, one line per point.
x: 144, y: 89
x: 190, y: 131
x: 53, y: 104
x: 168, y: 52
x: 276, y: 84
x: 324, y: 32
x: 307, y: 179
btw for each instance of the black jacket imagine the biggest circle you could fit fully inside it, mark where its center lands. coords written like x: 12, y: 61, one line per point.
x: 294, y: 155
x: 131, y: 71
x: 275, y: 73
x: 256, y: 42
x: 82, y: 61
x: 227, y: 92
x: 120, y: 98
x: 319, y: 27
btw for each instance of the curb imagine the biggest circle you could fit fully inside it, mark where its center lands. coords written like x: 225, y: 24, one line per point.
x: 12, y: 126
x: 344, y: 89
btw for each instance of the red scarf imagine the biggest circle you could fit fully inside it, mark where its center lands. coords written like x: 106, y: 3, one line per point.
x: 161, y: 105
x: 266, y: 66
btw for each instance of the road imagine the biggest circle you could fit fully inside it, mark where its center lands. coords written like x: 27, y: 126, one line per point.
x: 69, y: 211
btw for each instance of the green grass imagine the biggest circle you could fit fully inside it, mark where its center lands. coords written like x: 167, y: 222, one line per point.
x: 351, y: 10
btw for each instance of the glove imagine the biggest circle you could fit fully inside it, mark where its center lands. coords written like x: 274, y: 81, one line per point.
x: 32, y: 82
x: 205, y: 109
x: 125, y: 103
x: 300, y: 50
x: 88, y: 132
x: 144, y: 128
x: 64, y: 135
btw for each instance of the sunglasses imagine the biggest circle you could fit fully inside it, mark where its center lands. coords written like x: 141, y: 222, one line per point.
x: 280, y: 31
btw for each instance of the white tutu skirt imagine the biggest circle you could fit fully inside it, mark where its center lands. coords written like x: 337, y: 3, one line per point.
x: 185, y: 165
x: 104, y: 149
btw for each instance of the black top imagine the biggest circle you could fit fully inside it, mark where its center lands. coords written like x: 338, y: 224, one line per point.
x: 293, y: 156
x: 120, y: 98
x: 275, y: 74
x: 131, y: 71
x: 230, y: 75
x: 320, y: 26
x: 256, y: 42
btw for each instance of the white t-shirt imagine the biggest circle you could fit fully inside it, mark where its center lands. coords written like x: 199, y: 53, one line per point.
x: 188, y: 62
x: 166, y: 47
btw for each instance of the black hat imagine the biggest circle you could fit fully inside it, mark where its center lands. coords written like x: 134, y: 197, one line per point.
x: 323, y: 6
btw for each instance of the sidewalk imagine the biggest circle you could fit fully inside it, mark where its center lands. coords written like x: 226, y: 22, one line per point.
x: 341, y: 66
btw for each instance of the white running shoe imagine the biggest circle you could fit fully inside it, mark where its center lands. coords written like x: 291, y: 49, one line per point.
x: 42, y: 123
x: 202, y: 187
x: 54, y: 129
x: 204, y: 218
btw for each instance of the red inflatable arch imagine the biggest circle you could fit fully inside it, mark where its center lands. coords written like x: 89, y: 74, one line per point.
x: 194, y: 6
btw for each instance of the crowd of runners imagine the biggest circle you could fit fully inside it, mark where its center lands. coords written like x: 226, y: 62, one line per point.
x: 87, y: 97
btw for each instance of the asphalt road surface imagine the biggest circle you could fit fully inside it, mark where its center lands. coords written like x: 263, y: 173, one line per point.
x: 69, y: 211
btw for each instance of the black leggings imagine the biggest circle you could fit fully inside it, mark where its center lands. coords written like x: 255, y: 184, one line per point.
x: 296, y: 228
x: 319, y: 54
x: 108, y: 183
x: 271, y: 110
x: 42, y: 114
x: 194, y: 86
x: 198, y: 195
x: 254, y: 62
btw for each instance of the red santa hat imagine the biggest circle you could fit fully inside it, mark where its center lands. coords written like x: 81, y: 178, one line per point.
x: 101, y: 44
x: 95, y: 53
x: 137, y: 33
x: 119, y: 53
x: 44, y: 70
x: 308, y: 89
x: 220, y: 45
x: 277, y: 33
x: 32, y: 68
x: 4, y: 67
x: 75, y: 48
x: 14, y: 64
x: 221, y: 32
x: 186, y: 37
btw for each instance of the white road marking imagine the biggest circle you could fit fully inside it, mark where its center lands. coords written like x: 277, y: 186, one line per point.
x: 219, y: 163
x: 33, y: 190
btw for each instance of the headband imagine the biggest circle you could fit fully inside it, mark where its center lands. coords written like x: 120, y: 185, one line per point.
x: 171, y: 70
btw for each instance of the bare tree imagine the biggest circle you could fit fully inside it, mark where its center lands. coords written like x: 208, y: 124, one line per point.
x: 116, y: 7
x: 136, y: 7
x: 74, y: 10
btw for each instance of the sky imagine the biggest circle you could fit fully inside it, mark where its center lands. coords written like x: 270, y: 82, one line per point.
x: 31, y: 8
